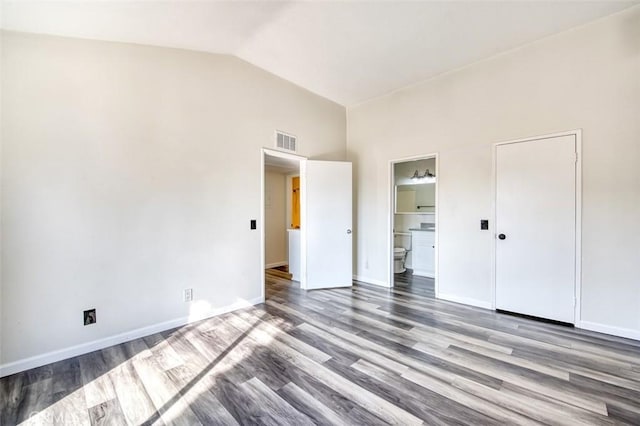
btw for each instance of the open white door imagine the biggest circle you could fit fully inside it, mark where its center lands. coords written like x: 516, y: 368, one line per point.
x: 326, y: 224
x: 536, y: 227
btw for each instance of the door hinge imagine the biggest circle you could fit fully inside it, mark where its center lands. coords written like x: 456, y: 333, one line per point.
x: 576, y: 157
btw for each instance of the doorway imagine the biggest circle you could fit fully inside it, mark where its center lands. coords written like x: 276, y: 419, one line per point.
x: 413, y: 223
x: 320, y: 244
x: 281, y: 249
x: 537, y: 227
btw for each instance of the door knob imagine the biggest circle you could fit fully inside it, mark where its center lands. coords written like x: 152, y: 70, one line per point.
x: 502, y: 236
x: 348, y: 231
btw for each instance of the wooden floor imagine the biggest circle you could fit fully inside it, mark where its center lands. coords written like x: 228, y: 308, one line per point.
x: 361, y: 355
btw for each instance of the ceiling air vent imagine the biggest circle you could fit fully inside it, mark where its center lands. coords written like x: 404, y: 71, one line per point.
x: 286, y: 142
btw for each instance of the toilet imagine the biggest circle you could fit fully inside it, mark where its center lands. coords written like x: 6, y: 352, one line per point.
x: 399, y: 256
x: 402, y: 247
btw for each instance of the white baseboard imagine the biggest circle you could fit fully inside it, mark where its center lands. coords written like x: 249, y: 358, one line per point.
x: 371, y: 281
x: 465, y: 300
x: 275, y: 264
x: 83, y: 348
x: 421, y: 273
x: 629, y: 333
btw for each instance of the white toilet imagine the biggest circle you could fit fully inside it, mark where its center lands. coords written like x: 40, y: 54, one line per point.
x: 399, y: 256
x: 402, y: 246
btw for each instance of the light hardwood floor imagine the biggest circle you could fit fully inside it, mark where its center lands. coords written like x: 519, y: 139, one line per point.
x: 361, y: 355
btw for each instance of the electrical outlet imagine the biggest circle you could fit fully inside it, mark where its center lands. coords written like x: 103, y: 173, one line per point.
x: 89, y: 316
x: 188, y: 294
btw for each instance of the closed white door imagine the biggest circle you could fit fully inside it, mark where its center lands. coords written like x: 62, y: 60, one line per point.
x: 326, y: 224
x: 536, y: 227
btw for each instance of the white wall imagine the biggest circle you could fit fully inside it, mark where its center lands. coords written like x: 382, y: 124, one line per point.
x: 275, y: 213
x: 585, y: 78
x: 1, y: 173
x: 130, y: 173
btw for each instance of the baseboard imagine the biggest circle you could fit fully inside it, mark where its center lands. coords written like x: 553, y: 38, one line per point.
x: 275, y: 264
x: 629, y: 333
x: 421, y: 273
x: 465, y: 300
x: 83, y: 348
x: 371, y: 281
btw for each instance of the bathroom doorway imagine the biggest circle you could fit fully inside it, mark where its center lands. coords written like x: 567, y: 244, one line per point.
x: 413, y: 223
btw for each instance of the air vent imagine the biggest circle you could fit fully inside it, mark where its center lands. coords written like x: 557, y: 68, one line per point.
x: 286, y: 141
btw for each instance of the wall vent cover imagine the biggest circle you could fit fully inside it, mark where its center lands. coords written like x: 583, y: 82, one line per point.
x: 286, y: 141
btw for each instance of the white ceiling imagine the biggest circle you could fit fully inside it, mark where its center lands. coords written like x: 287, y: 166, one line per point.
x: 284, y: 165
x: 348, y: 51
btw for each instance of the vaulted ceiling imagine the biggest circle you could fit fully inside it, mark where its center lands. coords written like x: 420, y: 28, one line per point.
x: 348, y: 51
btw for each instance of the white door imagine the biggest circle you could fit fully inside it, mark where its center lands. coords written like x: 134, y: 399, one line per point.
x: 536, y: 227
x: 326, y: 224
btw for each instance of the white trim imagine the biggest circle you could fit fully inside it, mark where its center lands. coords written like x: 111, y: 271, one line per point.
x: 275, y: 264
x: 578, y: 218
x: 436, y: 286
x: 371, y: 281
x: 282, y: 154
x: 466, y: 301
x: 492, y: 223
x: 303, y: 224
x: 391, y: 213
x: 83, y: 348
x: 547, y: 136
x: 629, y: 333
x: 263, y: 281
x: 421, y: 273
x: 578, y: 259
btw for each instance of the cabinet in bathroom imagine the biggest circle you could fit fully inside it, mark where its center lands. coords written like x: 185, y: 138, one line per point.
x: 423, y: 253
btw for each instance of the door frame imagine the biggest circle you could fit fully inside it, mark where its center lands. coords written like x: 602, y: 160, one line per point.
x: 273, y: 153
x: 578, y: 215
x: 391, y: 216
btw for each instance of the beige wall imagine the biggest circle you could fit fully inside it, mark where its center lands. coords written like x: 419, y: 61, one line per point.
x: 130, y: 173
x: 586, y: 78
x: 275, y: 212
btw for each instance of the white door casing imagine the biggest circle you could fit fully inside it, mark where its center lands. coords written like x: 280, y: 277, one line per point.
x: 536, y: 197
x: 326, y: 218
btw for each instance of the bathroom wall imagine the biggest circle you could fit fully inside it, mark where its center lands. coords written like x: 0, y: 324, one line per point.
x: 275, y: 212
x: 404, y: 171
x: 585, y: 78
x: 130, y: 173
x: 402, y: 176
x: 405, y: 221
